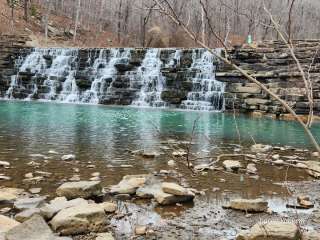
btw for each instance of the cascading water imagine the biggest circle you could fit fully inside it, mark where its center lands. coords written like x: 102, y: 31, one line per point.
x: 207, y: 93
x: 104, y: 72
x: 149, y: 73
x: 119, y: 76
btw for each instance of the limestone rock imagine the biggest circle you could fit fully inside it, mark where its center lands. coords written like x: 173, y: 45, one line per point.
x: 168, y: 199
x: 231, y: 165
x: 68, y: 157
x: 140, y: 230
x: 313, y: 168
x: 9, y: 194
x: 7, y: 223
x: 260, y: 148
x: 33, y: 229
x: 271, y: 231
x: 109, y: 207
x: 82, y: 189
x: 104, y: 236
x: 251, y: 168
x: 249, y: 205
x: 28, y: 203
x: 27, y: 214
x: 80, y: 219
x: 4, y: 164
x: 57, y: 204
x: 310, y: 235
x: 129, y: 184
x: 173, y: 188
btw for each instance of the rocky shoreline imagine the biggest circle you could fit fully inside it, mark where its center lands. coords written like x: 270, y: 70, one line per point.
x: 161, y: 205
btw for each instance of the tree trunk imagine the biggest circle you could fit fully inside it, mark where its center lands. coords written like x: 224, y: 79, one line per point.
x: 76, y: 21
x: 26, y: 10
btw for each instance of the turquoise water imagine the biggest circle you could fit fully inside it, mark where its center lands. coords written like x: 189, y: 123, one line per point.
x: 98, y: 132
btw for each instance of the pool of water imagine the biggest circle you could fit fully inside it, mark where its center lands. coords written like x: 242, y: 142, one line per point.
x: 107, y: 132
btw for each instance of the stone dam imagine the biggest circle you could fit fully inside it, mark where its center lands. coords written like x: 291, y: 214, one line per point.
x: 182, y: 78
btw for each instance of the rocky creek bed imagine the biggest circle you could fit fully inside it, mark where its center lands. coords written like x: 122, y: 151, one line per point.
x: 240, y: 192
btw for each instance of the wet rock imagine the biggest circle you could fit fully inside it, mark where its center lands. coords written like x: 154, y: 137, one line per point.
x: 180, y: 153
x: 35, y: 190
x: 5, y: 178
x: 310, y: 235
x: 109, y: 207
x: 271, y: 230
x: 171, y: 163
x: 149, y: 154
x: 168, y: 199
x: 260, y: 148
x: 314, y: 154
x: 28, y: 203
x: 251, y: 168
x: 75, y: 178
x: 57, y: 204
x: 82, y: 189
x: 249, y: 205
x: 305, y: 202
x: 140, y: 230
x: 7, y: 223
x: 28, y: 175
x: 27, y: 214
x: 313, y: 168
x: 34, y: 228
x: 173, y: 188
x: 129, y: 184
x: 123, y: 197
x: 231, y: 165
x: 149, y: 190
x: 276, y: 157
x: 68, y: 157
x: 95, y: 174
x: 8, y: 195
x: 4, y: 164
x: 104, y: 236
x: 80, y: 219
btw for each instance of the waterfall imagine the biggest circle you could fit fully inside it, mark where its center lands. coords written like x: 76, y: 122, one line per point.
x: 104, y: 73
x: 207, y: 93
x: 147, y: 78
x: 150, y: 76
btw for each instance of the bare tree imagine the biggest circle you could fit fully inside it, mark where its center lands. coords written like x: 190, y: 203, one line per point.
x: 76, y: 21
x: 165, y: 8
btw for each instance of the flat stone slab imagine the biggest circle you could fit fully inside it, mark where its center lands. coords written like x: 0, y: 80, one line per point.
x: 59, y: 203
x: 271, y: 231
x: 249, y: 205
x: 10, y: 194
x: 7, y: 223
x: 81, y: 219
x: 28, y: 203
x: 81, y: 189
x: 173, y: 188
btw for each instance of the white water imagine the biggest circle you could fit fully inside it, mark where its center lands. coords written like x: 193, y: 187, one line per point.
x: 104, y: 73
x: 207, y: 93
x: 57, y: 68
x: 149, y: 73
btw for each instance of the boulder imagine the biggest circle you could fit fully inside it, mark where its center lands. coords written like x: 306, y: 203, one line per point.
x: 7, y: 223
x: 80, y: 219
x: 313, y: 168
x: 231, y: 165
x: 271, y: 231
x: 27, y: 214
x: 173, y: 188
x: 260, y: 148
x: 249, y: 205
x: 82, y: 189
x: 148, y: 190
x: 8, y: 195
x: 168, y: 199
x: 34, y: 228
x: 57, y: 204
x: 129, y: 184
x: 28, y: 203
